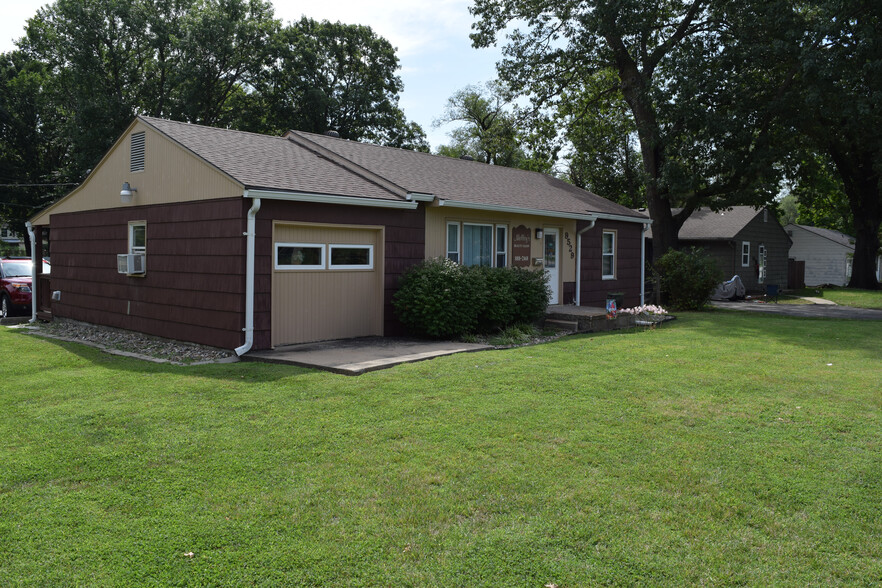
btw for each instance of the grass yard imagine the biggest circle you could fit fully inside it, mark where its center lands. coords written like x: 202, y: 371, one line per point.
x: 721, y: 449
x: 845, y: 296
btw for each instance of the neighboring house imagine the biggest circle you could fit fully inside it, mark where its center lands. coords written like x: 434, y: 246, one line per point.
x: 827, y: 254
x: 10, y: 239
x: 243, y: 241
x: 744, y: 241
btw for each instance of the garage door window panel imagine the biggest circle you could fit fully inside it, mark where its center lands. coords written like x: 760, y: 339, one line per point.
x: 352, y: 257
x: 300, y: 256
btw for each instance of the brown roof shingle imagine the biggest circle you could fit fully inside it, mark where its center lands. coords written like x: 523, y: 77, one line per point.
x: 306, y: 162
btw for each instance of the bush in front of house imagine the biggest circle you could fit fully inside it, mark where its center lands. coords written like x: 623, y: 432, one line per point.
x: 440, y: 298
x: 687, y: 278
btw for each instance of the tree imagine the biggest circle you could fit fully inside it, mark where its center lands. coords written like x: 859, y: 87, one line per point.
x: 494, y: 132
x: 834, y: 51
x: 31, y: 152
x: 688, y: 97
x: 334, y: 76
x: 605, y: 156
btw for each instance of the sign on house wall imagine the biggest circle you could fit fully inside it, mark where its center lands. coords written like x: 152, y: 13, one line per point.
x: 520, y: 246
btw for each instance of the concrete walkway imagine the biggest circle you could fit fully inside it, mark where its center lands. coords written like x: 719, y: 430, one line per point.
x: 352, y: 357
x: 823, y: 309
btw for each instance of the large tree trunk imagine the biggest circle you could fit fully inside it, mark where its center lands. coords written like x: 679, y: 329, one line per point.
x: 863, y: 186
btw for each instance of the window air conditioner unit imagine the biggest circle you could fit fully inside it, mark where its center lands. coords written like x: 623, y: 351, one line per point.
x: 130, y: 263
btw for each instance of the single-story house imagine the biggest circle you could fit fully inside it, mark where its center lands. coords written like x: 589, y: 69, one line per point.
x: 744, y: 241
x: 241, y: 240
x: 10, y: 239
x: 827, y: 254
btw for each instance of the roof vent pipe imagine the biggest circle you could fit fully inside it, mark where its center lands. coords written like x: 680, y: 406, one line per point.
x: 332, y: 133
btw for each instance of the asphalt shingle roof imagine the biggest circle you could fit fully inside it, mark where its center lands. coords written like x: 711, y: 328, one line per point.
x: 306, y: 162
x: 705, y: 224
x: 835, y: 236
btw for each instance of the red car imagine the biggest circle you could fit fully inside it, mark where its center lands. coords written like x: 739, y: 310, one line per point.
x: 15, y: 284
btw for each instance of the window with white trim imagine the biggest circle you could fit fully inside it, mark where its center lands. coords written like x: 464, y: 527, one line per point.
x: 608, y: 255
x: 745, y: 254
x: 453, y: 242
x: 300, y: 256
x: 477, y: 244
x: 345, y: 256
x: 138, y: 237
x: 501, y: 245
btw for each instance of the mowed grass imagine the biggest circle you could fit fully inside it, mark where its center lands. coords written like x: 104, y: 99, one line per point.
x: 720, y: 449
x: 846, y: 296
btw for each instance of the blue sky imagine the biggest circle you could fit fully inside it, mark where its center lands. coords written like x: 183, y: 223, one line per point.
x: 431, y: 37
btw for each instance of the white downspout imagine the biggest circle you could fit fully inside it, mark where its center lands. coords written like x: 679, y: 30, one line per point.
x: 643, y: 264
x: 249, y: 279
x: 579, y: 260
x: 34, y: 266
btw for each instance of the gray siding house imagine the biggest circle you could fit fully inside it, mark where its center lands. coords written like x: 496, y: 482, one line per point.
x: 827, y: 254
x: 744, y: 241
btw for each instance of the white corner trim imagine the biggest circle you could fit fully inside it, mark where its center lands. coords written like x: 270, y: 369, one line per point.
x: 330, y: 199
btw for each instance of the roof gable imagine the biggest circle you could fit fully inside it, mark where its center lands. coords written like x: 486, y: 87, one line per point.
x: 827, y: 234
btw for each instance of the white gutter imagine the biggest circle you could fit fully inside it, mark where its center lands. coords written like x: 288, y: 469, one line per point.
x: 643, y: 265
x: 330, y: 199
x: 249, y: 278
x: 34, y: 266
x: 579, y: 261
x: 420, y: 197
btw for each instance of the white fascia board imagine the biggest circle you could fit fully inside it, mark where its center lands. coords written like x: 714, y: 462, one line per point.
x: 588, y: 216
x: 420, y: 197
x: 515, y: 210
x: 329, y: 199
x: 626, y: 219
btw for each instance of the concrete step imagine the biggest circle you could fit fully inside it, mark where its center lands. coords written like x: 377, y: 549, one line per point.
x: 561, y: 325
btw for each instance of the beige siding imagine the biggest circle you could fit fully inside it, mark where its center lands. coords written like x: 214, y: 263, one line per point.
x: 317, y: 305
x: 171, y: 174
x: 437, y: 218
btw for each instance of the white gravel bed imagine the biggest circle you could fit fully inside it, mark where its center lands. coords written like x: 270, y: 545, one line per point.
x: 131, y: 343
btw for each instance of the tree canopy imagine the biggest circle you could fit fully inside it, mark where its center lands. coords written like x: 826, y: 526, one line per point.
x: 700, y: 127
x: 86, y: 69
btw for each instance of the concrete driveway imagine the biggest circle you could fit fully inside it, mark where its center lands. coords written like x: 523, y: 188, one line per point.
x: 804, y: 310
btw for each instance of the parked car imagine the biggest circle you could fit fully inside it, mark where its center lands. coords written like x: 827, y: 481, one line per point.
x: 15, y: 284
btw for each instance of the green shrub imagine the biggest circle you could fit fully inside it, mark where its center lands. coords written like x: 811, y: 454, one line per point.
x: 531, y: 293
x: 687, y: 278
x: 440, y: 298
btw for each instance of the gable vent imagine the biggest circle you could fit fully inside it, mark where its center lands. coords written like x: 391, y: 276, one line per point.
x: 137, y: 157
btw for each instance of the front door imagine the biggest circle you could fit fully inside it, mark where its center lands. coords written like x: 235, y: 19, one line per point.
x: 552, y: 264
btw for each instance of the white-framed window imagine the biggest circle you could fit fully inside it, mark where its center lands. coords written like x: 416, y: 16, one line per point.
x: 477, y: 244
x: 138, y: 237
x: 745, y: 254
x: 453, y: 242
x: 348, y: 257
x: 501, y: 245
x: 300, y: 256
x: 608, y: 255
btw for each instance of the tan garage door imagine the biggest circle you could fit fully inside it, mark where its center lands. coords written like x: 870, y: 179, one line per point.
x: 327, y: 282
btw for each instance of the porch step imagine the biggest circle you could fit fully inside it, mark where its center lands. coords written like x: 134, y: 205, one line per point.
x: 561, y: 325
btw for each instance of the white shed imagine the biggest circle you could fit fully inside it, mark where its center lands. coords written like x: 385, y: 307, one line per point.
x: 827, y: 254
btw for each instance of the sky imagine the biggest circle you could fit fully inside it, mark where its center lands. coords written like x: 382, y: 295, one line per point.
x: 431, y: 38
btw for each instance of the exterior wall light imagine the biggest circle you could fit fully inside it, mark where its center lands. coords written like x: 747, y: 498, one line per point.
x: 539, y: 233
x: 127, y: 193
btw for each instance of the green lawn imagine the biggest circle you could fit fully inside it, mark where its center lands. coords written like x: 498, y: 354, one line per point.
x: 721, y: 449
x: 845, y: 296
